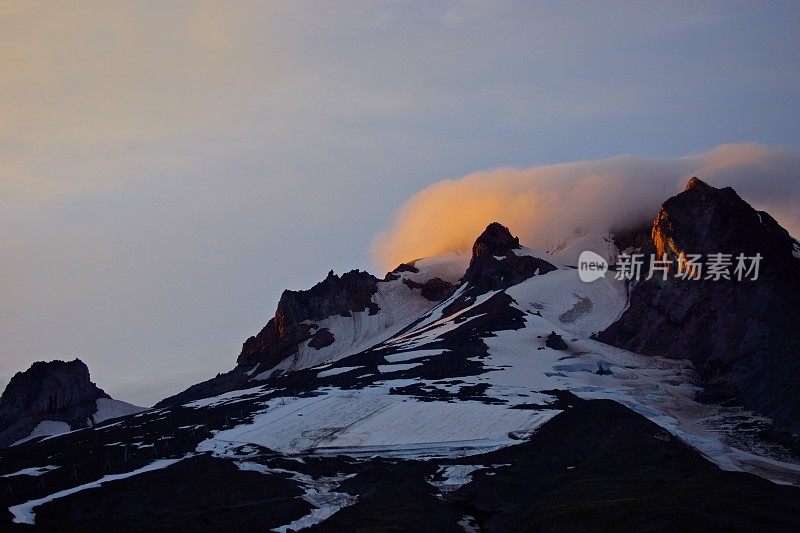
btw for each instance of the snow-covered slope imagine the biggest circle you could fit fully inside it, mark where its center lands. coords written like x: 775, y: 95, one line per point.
x: 472, y: 372
x: 379, y: 401
x: 398, y: 305
x: 568, y: 251
x: 449, y: 267
x: 45, y: 428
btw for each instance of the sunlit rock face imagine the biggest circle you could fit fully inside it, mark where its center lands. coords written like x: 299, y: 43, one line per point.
x: 703, y: 219
x: 55, y: 390
x: 742, y: 335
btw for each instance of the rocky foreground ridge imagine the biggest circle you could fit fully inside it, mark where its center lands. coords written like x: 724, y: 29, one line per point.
x: 55, y: 390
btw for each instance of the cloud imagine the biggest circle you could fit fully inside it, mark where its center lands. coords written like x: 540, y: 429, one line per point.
x: 545, y: 204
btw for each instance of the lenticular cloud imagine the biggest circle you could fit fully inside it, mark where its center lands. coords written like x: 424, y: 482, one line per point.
x: 546, y: 204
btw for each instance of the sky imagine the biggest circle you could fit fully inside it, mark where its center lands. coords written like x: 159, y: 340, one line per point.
x: 168, y: 168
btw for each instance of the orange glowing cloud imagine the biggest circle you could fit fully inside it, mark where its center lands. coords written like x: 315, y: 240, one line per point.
x: 546, y: 204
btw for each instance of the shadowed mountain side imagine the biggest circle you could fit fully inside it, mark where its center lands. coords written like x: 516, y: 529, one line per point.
x: 743, y: 336
x: 57, y: 390
x: 597, y: 466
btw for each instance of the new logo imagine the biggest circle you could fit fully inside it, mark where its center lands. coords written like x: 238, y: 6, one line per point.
x: 591, y: 266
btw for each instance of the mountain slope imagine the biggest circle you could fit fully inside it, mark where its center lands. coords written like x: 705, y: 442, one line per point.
x: 336, y: 317
x: 741, y: 335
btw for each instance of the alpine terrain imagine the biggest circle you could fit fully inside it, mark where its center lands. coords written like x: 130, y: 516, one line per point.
x: 483, y: 391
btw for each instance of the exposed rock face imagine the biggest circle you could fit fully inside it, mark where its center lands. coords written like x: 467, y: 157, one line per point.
x: 496, y: 239
x: 352, y: 292
x: 406, y: 267
x: 494, y: 265
x: 54, y: 390
x: 47, y: 387
x: 555, y: 341
x: 322, y: 338
x: 434, y: 289
x: 741, y: 335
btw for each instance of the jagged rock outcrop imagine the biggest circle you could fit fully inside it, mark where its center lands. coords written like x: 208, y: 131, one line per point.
x: 741, y: 335
x: 294, y: 325
x: 335, y: 295
x: 55, y: 390
x: 434, y: 289
x: 494, y: 265
x: 322, y: 337
x: 406, y: 267
x: 555, y: 342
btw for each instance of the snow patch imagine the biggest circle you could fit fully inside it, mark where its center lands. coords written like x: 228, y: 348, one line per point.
x: 34, y: 471
x: 372, y: 421
x: 319, y: 493
x: 396, y: 368
x: 402, y: 357
x: 335, y: 371
x: 449, y: 267
x: 454, y: 476
x: 46, y: 428
x: 108, y: 409
x: 226, y: 398
x: 23, y: 513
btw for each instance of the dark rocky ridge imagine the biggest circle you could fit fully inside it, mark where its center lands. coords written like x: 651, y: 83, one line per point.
x: 55, y: 390
x: 293, y: 324
x: 486, y: 272
x: 598, y: 466
x: 741, y: 335
x: 352, y: 292
x: 335, y: 295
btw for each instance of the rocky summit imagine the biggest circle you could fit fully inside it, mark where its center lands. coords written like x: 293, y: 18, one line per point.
x: 52, y: 397
x: 742, y: 335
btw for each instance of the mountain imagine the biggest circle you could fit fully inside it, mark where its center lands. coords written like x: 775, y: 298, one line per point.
x: 741, y: 335
x: 52, y: 398
x: 458, y: 392
x: 341, y: 314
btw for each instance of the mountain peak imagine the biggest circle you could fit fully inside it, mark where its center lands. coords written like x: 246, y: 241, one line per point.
x: 494, y: 265
x: 496, y: 239
x: 45, y: 389
x: 752, y: 353
x: 695, y: 182
x: 48, y: 386
x: 335, y: 295
x: 707, y: 219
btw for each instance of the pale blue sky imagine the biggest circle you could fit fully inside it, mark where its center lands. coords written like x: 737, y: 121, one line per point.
x: 167, y: 168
